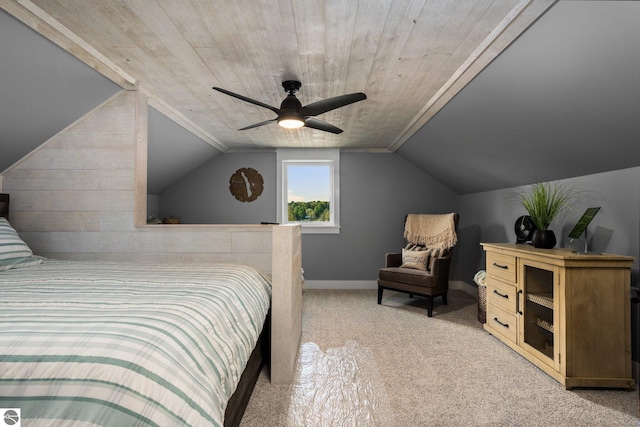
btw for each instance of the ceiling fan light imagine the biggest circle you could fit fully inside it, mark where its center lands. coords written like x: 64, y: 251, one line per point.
x: 291, y: 123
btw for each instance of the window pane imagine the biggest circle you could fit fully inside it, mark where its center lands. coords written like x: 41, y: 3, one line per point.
x: 309, y: 192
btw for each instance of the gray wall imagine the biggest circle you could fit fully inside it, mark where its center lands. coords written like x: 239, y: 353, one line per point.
x: 490, y: 216
x: 377, y: 191
x: 43, y: 89
x: 172, y: 152
x: 203, y: 196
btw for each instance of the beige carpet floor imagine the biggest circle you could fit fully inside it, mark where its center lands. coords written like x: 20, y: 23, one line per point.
x: 363, y: 364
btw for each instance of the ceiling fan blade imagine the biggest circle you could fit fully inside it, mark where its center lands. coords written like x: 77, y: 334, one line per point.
x: 316, y: 108
x: 320, y: 125
x: 266, y: 122
x: 244, y: 98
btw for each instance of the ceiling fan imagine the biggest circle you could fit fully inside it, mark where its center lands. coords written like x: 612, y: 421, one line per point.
x: 293, y: 115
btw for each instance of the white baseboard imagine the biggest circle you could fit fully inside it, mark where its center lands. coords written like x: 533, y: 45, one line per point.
x: 372, y: 284
x: 340, y: 284
x: 464, y: 286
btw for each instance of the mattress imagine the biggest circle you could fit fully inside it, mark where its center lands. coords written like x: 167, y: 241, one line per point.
x: 124, y: 344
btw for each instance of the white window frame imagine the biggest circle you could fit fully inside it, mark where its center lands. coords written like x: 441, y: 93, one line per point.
x: 309, y: 156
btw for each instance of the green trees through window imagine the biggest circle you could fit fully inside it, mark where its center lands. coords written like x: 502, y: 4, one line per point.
x: 309, y: 189
x: 309, y: 211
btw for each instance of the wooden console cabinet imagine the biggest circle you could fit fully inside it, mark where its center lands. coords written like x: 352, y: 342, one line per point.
x: 569, y: 314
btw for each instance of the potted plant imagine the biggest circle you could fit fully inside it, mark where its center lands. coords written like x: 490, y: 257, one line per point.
x: 544, y: 201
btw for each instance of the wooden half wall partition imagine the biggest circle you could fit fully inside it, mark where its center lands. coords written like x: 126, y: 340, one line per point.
x: 286, y: 301
x: 81, y: 195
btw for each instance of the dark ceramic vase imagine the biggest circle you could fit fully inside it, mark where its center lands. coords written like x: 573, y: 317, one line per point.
x: 545, y: 239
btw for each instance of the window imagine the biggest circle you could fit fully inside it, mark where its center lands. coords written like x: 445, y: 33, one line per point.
x: 308, y: 189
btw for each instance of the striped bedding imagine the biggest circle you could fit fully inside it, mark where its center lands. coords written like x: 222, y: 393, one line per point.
x: 124, y: 344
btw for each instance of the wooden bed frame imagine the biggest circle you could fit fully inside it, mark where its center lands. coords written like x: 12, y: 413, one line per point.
x: 240, y: 398
x: 4, y: 206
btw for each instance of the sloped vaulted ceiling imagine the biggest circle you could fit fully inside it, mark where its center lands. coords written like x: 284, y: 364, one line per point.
x: 562, y: 101
x: 408, y: 57
x: 544, y: 107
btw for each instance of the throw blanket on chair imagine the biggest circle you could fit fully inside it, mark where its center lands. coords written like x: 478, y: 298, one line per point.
x: 431, y: 231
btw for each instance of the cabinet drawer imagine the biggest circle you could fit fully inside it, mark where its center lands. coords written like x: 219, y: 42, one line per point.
x: 501, y: 294
x: 501, y: 266
x: 502, y: 322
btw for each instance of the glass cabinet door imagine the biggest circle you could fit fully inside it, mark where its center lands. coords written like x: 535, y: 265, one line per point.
x: 537, y: 327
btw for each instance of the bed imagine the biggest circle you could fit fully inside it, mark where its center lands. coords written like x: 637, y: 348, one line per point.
x: 107, y: 343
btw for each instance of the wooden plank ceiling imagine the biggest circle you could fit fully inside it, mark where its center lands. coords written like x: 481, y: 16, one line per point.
x: 409, y: 57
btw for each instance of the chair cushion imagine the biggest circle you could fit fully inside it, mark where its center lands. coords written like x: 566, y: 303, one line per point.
x: 409, y: 276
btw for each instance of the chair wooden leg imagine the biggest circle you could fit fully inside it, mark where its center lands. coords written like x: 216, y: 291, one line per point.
x: 444, y: 298
x: 380, y: 289
x: 429, y: 306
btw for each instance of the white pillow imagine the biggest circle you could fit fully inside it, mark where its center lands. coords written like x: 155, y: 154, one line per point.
x: 11, y: 245
x: 28, y: 261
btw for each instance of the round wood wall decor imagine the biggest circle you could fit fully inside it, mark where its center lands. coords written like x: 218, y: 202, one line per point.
x: 246, y: 184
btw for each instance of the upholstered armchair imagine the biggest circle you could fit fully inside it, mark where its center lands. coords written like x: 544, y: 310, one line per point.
x: 423, y: 266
